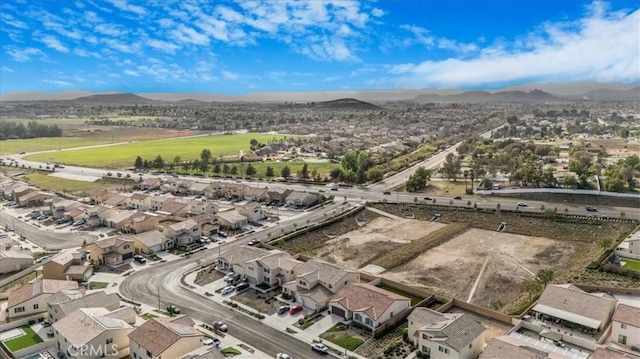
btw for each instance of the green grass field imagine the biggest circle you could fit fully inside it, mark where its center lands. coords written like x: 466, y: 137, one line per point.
x: 123, y: 156
x: 49, y: 144
x: 30, y: 338
x: 261, y: 167
x: 345, y: 341
x: 67, y: 185
x: 631, y: 264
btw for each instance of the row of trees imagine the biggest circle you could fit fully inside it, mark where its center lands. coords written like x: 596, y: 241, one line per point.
x: 33, y: 129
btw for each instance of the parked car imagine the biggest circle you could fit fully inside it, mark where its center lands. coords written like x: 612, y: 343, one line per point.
x: 221, y: 326
x: 319, y: 347
x: 140, y: 259
x: 11, y: 203
x: 62, y: 221
x: 212, y: 341
x: 228, y: 290
x: 172, y: 309
x: 223, y: 234
x: 283, y: 356
x: 522, y: 204
x: 386, y: 193
x: 78, y: 223
x: 242, y: 286
x: 283, y: 309
x: 295, y: 309
x: 591, y: 208
x: 46, y: 323
x: 334, y: 188
x: 42, y: 259
x: 254, y: 242
x: 42, y: 217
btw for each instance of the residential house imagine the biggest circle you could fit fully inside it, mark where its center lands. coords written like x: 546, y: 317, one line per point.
x: 367, y: 304
x: 611, y: 353
x: 231, y: 219
x: 175, y: 209
x: 198, y: 188
x: 105, y: 332
x: 21, y: 192
x: 118, y: 202
x: 446, y: 335
x: 66, y: 302
x: 111, y: 251
x: 77, y: 213
x: 15, y: 260
x: 140, y: 201
x: 69, y: 264
x: 302, y: 199
x: 182, y: 187
x: 99, y: 196
x: 96, y: 215
x: 208, y: 223
x: 32, y: 298
x: 252, y: 210
x: 35, y: 198
x: 60, y: 206
x: 150, y: 183
x: 118, y: 219
x: 625, y: 329
x: 234, y: 191
x: 215, y: 189
x: 9, y: 189
x: 277, y: 197
x: 265, y: 151
x: 165, y: 338
x: 266, y: 269
x: 510, y: 347
x: 316, y: 281
x: 200, y: 207
x: 257, y: 194
x: 570, y: 304
x: 151, y: 242
x: 184, y: 232
x: 158, y: 201
x: 139, y: 223
x: 630, y: 247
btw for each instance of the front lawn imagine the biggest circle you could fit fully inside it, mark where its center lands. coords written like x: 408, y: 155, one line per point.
x: 30, y: 338
x: 148, y: 316
x: 345, y: 341
x: 230, y: 351
x: 97, y: 285
x: 630, y: 264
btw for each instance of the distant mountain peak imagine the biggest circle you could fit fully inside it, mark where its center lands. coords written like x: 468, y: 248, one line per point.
x: 124, y: 98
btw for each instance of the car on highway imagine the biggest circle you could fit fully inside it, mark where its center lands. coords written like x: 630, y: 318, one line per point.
x: 295, y: 309
x: 221, y: 326
x: 321, y: 191
x: 428, y: 199
x: 212, y: 341
x: 228, y: 290
x: 334, y: 188
x: 283, y: 356
x: 457, y: 197
x: 522, y: 204
x: 591, y: 208
x: 319, y: 347
x: 253, y: 242
x: 386, y: 193
x: 283, y: 309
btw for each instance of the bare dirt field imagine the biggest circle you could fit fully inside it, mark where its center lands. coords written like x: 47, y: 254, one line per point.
x: 379, y: 235
x: 451, y: 268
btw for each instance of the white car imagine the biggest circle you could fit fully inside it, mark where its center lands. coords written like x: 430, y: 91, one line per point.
x: 212, y: 341
x: 522, y: 204
x: 283, y: 356
x: 228, y: 290
x: 319, y: 347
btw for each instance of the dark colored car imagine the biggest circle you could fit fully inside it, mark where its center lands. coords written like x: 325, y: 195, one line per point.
x: 457, y: 197
x: 428, y: 199
x: 295, y: 309
x: 386, y: 193
x: 283, y: 309
x: 591, y: 208
x: 242, y: 286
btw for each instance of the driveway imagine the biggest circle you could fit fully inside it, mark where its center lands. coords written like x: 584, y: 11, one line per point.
x: 324, y: 324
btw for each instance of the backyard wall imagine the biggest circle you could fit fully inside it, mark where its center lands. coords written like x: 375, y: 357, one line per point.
x: 610, y: 290
x: 22, y: 321
x: 34, y: 349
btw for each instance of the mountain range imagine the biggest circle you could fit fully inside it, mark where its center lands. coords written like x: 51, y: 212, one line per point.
x: 531, y: 93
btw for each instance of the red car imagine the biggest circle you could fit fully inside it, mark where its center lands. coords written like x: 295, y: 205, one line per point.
x: 295, y: 309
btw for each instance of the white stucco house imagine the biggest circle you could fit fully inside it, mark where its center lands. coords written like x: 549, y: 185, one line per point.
x: 164, y: 338
x: 625, y: 327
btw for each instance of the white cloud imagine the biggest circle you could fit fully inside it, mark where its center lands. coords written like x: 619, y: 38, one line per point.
x: 325, y: 48
x: 125, y: 6
x: 130, y: 73
x: 602, y: 46
x: 58, y: 83
x: 190, y: 36
x: 128, y: 48
x: 110, y: 30
x: 377, y: 12
x: 6, y: 69
x: 162, y: 45
x: 53, y: 43
x: 24, y: 55
x: 228, y: 75
x: 84, y: 53
x: 92, y: 17
x: 10, y: 20
x: 420, y: 36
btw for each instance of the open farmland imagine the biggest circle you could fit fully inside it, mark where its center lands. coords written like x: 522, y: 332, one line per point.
x: 124, y: 155
x: 75, y: 187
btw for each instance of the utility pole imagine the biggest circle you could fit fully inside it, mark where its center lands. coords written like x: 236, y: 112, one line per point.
x: 159, y: 306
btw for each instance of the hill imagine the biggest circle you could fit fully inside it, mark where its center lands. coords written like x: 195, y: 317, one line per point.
x: 629, y: 95
x: 114, y: 99
x: 535, y: 96
x: 346, y: 104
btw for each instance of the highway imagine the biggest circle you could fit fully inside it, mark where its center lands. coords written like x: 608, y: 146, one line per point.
x: 163, y: 278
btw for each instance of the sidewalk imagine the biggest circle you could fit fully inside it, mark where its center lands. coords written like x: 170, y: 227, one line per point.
x: 309, y: 335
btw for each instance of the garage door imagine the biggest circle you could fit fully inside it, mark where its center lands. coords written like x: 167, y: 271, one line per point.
x: 127, y: 256
x: 337, y: 311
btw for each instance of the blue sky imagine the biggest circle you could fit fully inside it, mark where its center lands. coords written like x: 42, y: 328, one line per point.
x: 254, y: 46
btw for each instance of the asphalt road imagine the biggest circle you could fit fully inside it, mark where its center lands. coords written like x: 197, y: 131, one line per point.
x: 44, y: 237
x: 161, y: 282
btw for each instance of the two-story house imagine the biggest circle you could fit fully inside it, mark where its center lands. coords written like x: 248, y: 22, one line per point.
x: 138, y: 223
x: 60, y: 205
x: 279, y: 197
x: 165, y: 338
x: 446, y: 335
x: 105, y: 332
x: 183, y: 233
x: 316, y: 281
x: 234, y: 191
x: 118, y: 202
x: 152, y: 242
x: 232, y: 219
x: 175, y: 209
x: 625, y: 327
x: 32, y: 298
x: 367, y: 304
x: 200, y: 207
x: 99, y: 196
x: 150, y: 183
x: 111, y: 251
x: 66, y: 302
x: 118, y: 219
x: 198, y: 188
x: 140, y: 201
x: 35, y: 198
x: 14, y: 260
x: 158, y: 201
x: 68, y: 264
x: 208, y: 223
x: 257, y: 194
x: 252, y: 210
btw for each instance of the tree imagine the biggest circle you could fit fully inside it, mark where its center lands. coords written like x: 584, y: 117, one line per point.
x: 158, y: 163
x: 418, y: 180
x: 269, y: 173
x: 465, y: 174
x: 250, y: 171
x: 375, y: 175
x: 570, y: 182
x: 217, y: 169
x: 304, y: 172
x: 285, y: 172
x: 177, y: 160
x: 487, y: 183
x: 336, y: 174
x: 233, y: 170
x: 605, y: 243
x: 254, y: 143
x: 545, y: 276
x: 530, y: 286
x: 225, y: 169
x: 138, y: 163
x: 205, y: 157
x: 451, y: 167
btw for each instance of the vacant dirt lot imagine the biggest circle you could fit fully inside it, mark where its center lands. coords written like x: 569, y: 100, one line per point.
x: 452, y: 268
x: 378, y: 236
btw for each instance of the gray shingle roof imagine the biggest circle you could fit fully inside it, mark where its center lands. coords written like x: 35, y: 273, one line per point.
x: 458, y: 329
